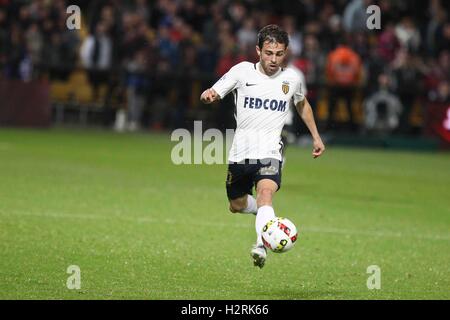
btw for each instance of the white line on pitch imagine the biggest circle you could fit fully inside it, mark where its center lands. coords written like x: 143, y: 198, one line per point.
x: 311, y: 229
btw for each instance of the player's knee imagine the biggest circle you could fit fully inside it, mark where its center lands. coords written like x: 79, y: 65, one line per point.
x: 237, y: 205
x: 235, y: 208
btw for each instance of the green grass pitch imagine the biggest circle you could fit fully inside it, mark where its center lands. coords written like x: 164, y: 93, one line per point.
x: 140, y: 227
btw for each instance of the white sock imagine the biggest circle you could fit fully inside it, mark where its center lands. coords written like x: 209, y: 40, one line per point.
x: 265, y: 214
x: 251, y: 205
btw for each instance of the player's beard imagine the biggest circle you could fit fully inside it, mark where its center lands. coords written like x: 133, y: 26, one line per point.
x: 271, y: 69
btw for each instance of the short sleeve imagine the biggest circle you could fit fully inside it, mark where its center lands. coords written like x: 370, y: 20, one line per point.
x: 228, y: 82
x: 300, y: 91
x: 299, y: 95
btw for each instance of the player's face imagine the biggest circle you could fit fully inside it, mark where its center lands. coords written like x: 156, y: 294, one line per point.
x: 271, y: 56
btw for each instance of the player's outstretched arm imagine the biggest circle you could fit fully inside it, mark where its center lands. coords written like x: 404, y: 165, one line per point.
x: 305, y: 112
x: 209, y: 96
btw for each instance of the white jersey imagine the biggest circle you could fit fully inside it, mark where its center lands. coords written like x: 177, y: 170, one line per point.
x: 262, y: 105
x: 291, y: 113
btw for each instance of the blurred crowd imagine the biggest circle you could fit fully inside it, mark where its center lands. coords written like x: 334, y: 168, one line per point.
x: 160, y: 54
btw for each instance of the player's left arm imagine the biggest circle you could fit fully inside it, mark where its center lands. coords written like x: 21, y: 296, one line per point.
x: 305, y: 112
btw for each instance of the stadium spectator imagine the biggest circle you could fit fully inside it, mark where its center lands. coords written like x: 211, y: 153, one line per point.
x: 3, y: 40
x: 438, y: 109
x: 236, y: 13
x: 96, y: 55
x: 388, y: 44
x: 443, y: 94
x: 408, y: 83
x: 443, y: 39
x: 344, y: 71
x: 355, y: 16
x: 246, y: 35
x: 434, y: 27
x: 137, y: 85
x: 142, y: 9
x: 192, y: 14
x: 295, y: 37
x: 382, y: 109
x: 35, y: 43
x: 311, y: 62
x: 316, y: 59
x: 166, y: 46
x: 408, y: 35
x: 437, y: 72
x: 331, y: 33
x: 229, y: 51
x: 16, y: 53
x: 161, y: 96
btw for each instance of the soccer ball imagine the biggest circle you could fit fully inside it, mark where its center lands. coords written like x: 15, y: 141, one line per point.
x: 279, y: 235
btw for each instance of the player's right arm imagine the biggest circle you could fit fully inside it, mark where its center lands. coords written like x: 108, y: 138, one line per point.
x: 223, y: 86
x: 209, y: 96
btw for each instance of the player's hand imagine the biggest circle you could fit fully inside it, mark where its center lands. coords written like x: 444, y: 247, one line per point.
x: 318, y: 148
x: 209, y: 96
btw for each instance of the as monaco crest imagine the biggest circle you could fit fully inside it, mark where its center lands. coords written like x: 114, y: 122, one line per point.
x: 285, y: 87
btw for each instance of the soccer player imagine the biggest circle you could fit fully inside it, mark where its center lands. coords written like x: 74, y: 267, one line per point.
x: 262, y: 93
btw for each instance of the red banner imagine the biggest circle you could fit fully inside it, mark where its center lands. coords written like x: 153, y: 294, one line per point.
x: 25, y: 103
x: 438, y: 121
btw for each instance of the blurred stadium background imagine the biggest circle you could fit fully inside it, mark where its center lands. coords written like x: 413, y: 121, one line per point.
x: 143, y: 64
x: 92, y: 184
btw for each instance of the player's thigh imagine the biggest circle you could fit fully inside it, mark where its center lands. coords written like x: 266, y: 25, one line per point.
x: 239, y: 183
x: 268, y: 176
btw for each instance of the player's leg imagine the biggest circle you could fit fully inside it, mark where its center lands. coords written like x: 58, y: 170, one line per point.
x: 239, y: 189
x: 265, y: 190
x: 244, y: 204
x: 268, y: 181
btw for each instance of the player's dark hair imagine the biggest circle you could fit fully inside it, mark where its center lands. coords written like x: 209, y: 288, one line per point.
x: 272, y: 33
